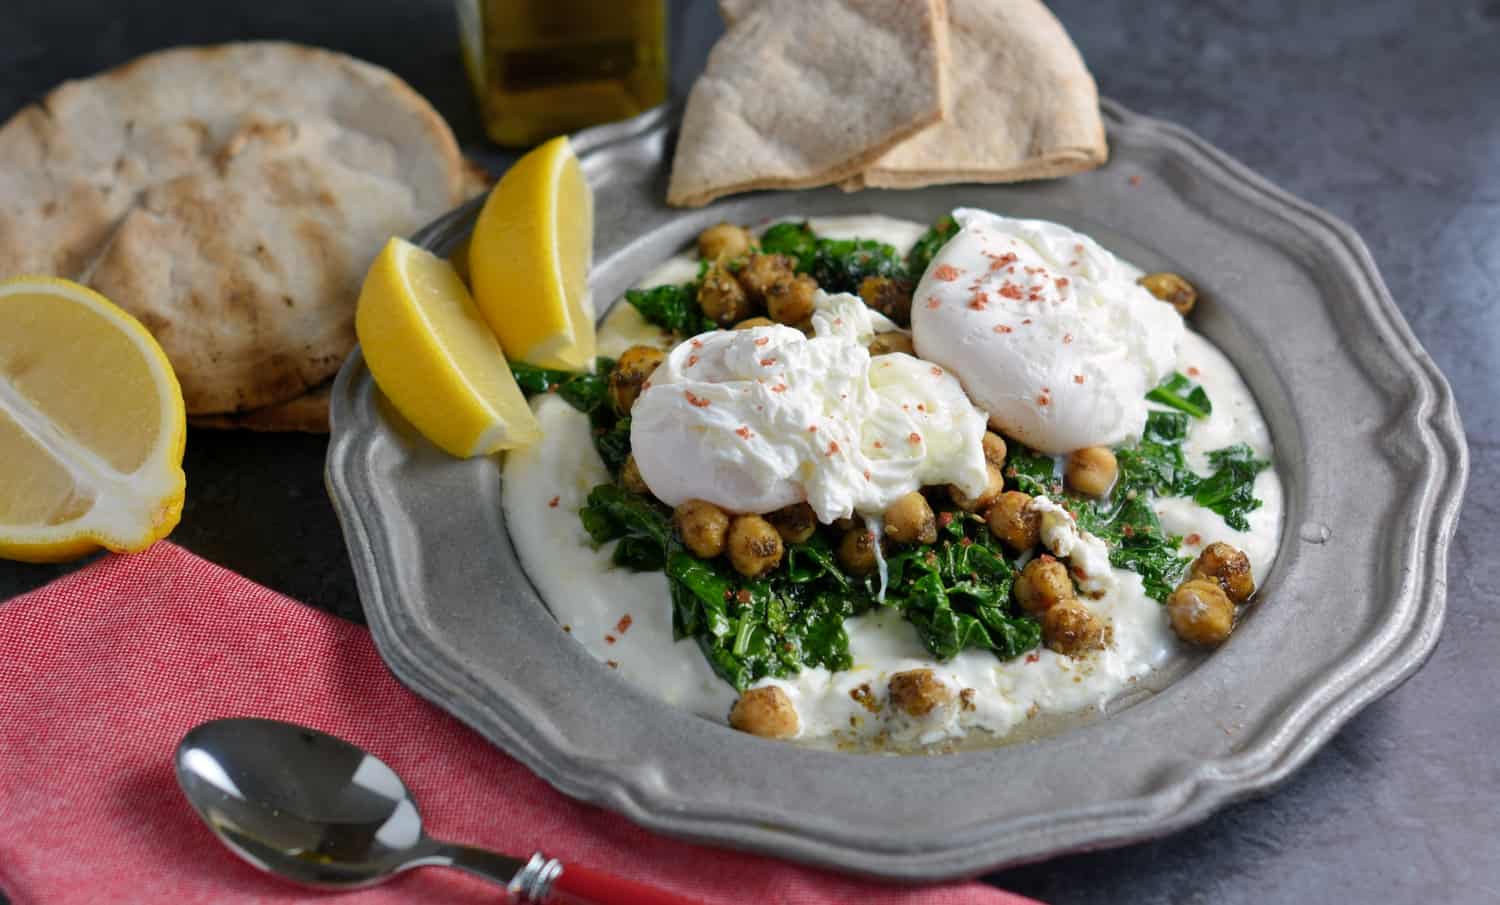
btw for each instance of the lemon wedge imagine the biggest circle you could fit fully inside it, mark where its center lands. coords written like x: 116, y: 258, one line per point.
x: 434, y: 357
x: 92, y: 426
x: 529, y: 260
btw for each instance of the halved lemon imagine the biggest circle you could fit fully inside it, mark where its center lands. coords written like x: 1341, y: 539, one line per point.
x: 529, y: 260
x: 432, y: 354
x: 92, y: 425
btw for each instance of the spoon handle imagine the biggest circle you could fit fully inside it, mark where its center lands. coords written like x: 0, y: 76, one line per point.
x: 546, y: 881
x: 579, y: 885
x: 482, y: 863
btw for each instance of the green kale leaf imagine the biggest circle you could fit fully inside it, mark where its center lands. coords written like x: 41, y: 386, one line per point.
x: 838, y: 265
x: 813, y: 561
x: 748, y: 630
x: 612, y: 440
x: 639, y: 554
x: 671, y: 307
x: 1230, y: 490
x: 700, y: 596
x: 927, y: 247
x: 533, y: 379
x: 841, y: 265
x: 583, y: 391
x: 1157, y: 463
x: 956, y: 593
x: 1126, y: 520
x: 795, y: 240
x: 1156, y: 559
x: 1182, y: 394
x: 1032, y: 472
x: 612, y: 512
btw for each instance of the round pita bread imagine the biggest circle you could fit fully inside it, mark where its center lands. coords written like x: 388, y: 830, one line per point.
x: 231, y: 198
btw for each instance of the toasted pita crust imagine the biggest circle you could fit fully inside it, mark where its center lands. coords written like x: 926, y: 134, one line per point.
x: 1023, y: 105
x: 803, y: 94
x: 476, y: 179
x: 231, y: 198
x: 306, y: 414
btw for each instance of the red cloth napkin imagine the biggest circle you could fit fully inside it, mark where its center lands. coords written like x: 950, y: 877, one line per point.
x: 103, y: 671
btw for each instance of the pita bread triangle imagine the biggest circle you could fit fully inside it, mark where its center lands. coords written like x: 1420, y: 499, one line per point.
x: 1023, y: 104
x: 801, y: 94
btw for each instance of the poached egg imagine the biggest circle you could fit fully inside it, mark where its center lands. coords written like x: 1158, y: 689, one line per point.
x: 754, y: 420
x: 1046, y: 329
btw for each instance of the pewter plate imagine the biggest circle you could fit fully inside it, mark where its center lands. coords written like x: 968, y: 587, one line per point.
x: 1368, y: 442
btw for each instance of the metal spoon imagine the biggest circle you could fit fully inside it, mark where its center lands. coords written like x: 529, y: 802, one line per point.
x: 316, y: 810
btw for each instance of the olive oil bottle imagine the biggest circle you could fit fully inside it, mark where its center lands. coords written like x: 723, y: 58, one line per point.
x: 544, y: 67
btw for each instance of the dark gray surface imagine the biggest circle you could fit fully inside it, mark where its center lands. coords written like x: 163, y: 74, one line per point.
x: 1386, y: 113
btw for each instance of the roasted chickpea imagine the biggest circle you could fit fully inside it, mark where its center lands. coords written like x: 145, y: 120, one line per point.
x: 1070, y: 628
x: 752, y: 322
x: 630, y: 476
x: 1043, y: 584
x: 721, y: 297
x: 985, y: 500
x: 754, y: 546
x: 1091, y: 471
x: 909, y: 520
x: 856, y: 551
x: 890, y: 296
x: 886, y: 343
x: 1173, y: 289
x: 994, y: 449
x: 918, y: 692
x: 702, y: 526
x: 790, y: 301
x: 795, y: 523
x: 1229, y: 567
x: 766, y: 712
x: 762, y: 271
x: 1014, y: 521
x: 632, y: 369
x: 723, y: 241
x: 1201, y: 612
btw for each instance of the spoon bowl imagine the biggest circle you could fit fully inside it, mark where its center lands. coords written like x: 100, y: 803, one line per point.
x: 316, y: 810
x: 301, y: 803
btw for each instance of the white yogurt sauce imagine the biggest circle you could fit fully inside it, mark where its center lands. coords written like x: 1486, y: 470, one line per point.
x: 546, y: 484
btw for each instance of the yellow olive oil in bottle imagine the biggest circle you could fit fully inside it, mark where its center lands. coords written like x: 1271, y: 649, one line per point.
x: 544, y: 67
